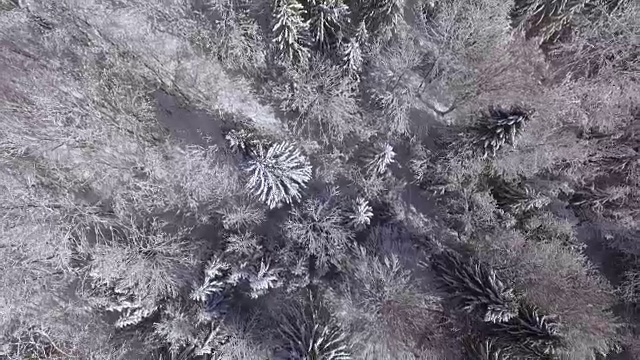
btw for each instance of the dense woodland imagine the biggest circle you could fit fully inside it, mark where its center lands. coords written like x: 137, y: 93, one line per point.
x: 320, y: 179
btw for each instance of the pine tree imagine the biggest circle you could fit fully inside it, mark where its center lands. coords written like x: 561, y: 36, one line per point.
x: 380, y: 160
x: 530, y: 333
x: 477, y: 349
x: 243, y: 215
x: 6, y: 5
x: 243, y: 244
x: 288, y: 29
x: 262, y: 281
x: 382, y: 16
x: 318, y: 226
x: 361, y: 35
x: 132, y: 313
x: 277, y: 175
x: 242, y: 141
x: 475, y: 288
x: 214, y: 280
x: 352, y: 57
x: 187, y: 333
x: 176, y: 328
x: 598, y: 198
x: 499, y: 126
x: 327, y: 19
x: 517, y: 197
x: 360, y: 214
x: 545, y: 18
x: 310, y: 333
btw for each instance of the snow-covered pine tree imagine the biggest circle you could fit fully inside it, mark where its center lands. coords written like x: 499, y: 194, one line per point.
x: 382, y: 16
x: 360, y: 214
x: 499, y: 125
x: 361, y: 34
x: 317, y: 226
x: 288, y: 29
x: 326, y: 21
x: 187, y: 333
x: 380, y: 160
x: 241, y: 141
x: 352, y: 57
x: 309, y: 332
x: 532, y: 334
x: 214, y: 280
x: 545, y: 18
x: 475, y: 288
x: 517, y: 197
x: 263, y: 280
x: 132, y: 313
x: 277, y: 174
x: 488, y: 349
x: 6, y: 5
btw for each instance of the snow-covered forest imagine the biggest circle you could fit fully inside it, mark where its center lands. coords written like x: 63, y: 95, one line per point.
x: 320, y: 179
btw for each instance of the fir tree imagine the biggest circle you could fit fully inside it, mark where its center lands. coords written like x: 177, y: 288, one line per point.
x: 545, y: 18
x: 278, y: 174
x: 262, y: 280
x: 360, y: 214
x: 474, y: 287
x: 326, y: 21
x: 242, y: 141
x: 310, y: 333
x: 380, y: 160
x: 477, y: 349
x: 288, y: 29
x: 517, y: 197
x: 317, y: 225
x: 352, y: 57
x: 382, y: 16
x: 214, y: 281
x: 499, y: 126
x: 361, y: 35
x: 530, y: 334
x: 187, y: 333
x: 132, y: 313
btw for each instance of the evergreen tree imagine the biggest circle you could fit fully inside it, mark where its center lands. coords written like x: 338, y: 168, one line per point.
x: 477, y: 349
x: 214, y: 281
x: 289, y: 28
x: 499, y: 126
x: 517, y: 197
x: 530, y: 334
x: 475, y: 288
x: 318, y: 226
x: 278, y: 174
x: 546, y: 18
x: 352, y: 57
x: 380, y: 160
x: 382, y: 16
x: 132, y: 313
x: 361, y: 35
x: 189, y: 332
x: 326, y: 21
x: 360, y: 214
x: 310, y: 333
